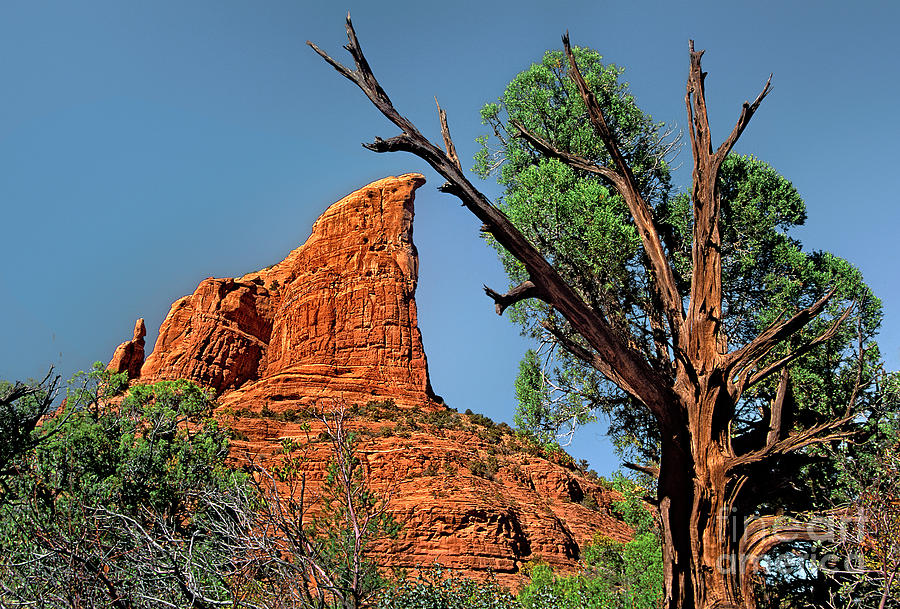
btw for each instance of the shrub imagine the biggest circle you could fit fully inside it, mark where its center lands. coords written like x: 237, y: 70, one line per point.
x: 484, y: 469
x: 111, y: 476
x: 442, y: 419
x: 431, y: 590
x: 480, y: 419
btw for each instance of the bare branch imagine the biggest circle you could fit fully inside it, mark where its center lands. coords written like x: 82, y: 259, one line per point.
x: 445, y: 132
x: 664, y: 279
x: 774, y: 334
x: 784, y: 361
x: 598, y: 363
x: 776, y: 416
x: 747, y: 111
x: 523, y: 291
x: 817, y: 434
x: 705, y: 341
x: 572, y: 160
x: 626, y: 363
x: 644, y: 469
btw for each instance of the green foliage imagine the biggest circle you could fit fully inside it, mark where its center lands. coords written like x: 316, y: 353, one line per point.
x: 614, y: 574
x: 127, y: 501
x: 577, y: 222
x: 484, y: 469
x: 431, y: 590
x: 351, y: 518
x: 21, y: 407
x: 542, y: 412
x: 582, y: 227
x: 443, y: 419
x: 85, y: 501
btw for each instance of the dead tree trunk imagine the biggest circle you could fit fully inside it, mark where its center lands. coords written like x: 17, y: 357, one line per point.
x: 694, y: 392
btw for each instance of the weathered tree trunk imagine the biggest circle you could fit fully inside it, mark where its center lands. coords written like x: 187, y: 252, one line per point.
x: 699, y: 558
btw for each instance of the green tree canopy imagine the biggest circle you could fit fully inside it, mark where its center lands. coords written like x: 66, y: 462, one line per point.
x: 613, y: 574
x: 578, y: 221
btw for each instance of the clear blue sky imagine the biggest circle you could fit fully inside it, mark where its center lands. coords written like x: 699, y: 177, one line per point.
x: 146, y: 146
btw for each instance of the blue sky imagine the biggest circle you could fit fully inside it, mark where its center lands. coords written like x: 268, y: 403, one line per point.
x: 146, y: 146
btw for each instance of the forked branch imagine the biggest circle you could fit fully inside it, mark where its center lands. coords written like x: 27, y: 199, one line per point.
x: 617, y: 356
x: 806, y: 348
x: 817, y: 434
x: 740, y: 360
x: 523, y: 291
x: 707, y: 342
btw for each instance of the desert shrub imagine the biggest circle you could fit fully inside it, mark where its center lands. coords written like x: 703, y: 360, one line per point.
x: 376, y: 410
x: 484, y: 469
x: 81, y: 506
x: 292, y: 415
x: 481, y: 420
x: 239, y: 435
x: 590, y: 502
x: 431, y: 590
x: 443, y: 419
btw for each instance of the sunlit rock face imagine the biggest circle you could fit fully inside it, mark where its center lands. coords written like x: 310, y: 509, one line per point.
x: 333, y: 325
x: 129, y: 356
x: 336, y: 318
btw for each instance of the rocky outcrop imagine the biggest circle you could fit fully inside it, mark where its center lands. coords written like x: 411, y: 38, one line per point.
x: 129, y: 356
x: 334, y: 324
x: 337, y: 317
x: 217, y: 336
x: 474, y: 498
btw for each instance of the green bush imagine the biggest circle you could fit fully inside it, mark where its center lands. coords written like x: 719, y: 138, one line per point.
x: 614, y: 575
x: 443, y: 419
x: 130, y: 503
x: 431, y: 590
x: 484, y: 469
x: 89, y: 498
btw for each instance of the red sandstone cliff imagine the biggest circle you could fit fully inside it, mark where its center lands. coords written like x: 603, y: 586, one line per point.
x: 336, y: 320
x: 336, y: 317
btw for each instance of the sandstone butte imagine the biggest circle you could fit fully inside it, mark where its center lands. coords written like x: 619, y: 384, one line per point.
x: 335, y: 323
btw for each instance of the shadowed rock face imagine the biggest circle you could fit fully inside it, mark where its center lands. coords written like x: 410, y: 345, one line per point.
x: 335, y: 323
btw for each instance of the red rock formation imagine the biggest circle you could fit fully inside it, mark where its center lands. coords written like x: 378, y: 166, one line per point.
x: 129, y: 356
x: 217, y: 336
x: 335, y: 322
x: 453, y: 510
x: 336, y: 317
